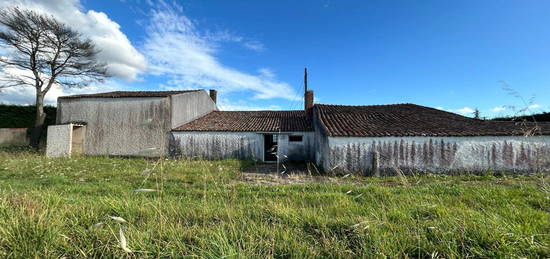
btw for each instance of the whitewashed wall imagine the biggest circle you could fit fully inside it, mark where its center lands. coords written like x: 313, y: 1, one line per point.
x: 241, y: 145
x: 439, y: 154
x: 59, y: 140
x: 217, y: 145
x: 189, y: 106
x: 296, y: 151
x: 120, y: 126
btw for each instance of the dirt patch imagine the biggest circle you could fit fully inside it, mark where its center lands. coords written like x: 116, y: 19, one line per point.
x: 272, y: 179
x: 270, y: 174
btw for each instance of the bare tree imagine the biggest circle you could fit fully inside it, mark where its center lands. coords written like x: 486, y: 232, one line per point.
x: 42, y: 52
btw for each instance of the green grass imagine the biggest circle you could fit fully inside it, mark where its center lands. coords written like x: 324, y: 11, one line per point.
x: 48, y: 208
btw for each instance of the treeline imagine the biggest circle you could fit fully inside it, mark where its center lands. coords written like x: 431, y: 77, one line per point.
x: 545, y: 116
x: 17, y: 116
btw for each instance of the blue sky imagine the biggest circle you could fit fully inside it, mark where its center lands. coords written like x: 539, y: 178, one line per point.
x: 455, y: 55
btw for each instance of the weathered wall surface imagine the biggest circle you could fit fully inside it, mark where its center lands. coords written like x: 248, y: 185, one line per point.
x: 439, y: 154
x: 59, y: 140
x: 241, y: 145
x: 296, y: 151
x: 189, y: 106
x: 217, y: 145
x: 120, y: 126
x: 13, y: 137
x: 321, y: 147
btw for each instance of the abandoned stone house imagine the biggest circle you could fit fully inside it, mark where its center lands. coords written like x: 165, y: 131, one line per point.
x: 337, y: 138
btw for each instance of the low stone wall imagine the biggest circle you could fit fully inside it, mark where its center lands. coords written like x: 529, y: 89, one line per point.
x: 13, y: 137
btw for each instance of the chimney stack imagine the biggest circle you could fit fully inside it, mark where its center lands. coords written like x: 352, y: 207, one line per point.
x: 308, y: 100
x: 213, y: 95
x: 308, y: 96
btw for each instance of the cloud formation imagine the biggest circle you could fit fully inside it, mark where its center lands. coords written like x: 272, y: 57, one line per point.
x: 181, y: 54
x: 176, y: 48
x: 535, y: 106
x: 122, y: 58
x: 24, y: 95
x: 225, y: 104
x: 465, y: 111
x: 498, y: 109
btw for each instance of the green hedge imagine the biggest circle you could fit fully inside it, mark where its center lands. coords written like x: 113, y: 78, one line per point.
x: 545, y: 116
x: 16, y: 116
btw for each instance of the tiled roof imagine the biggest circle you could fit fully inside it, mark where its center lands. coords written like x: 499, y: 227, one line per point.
x: 412, y: 120
x: 251, y: 121
x: 121, y: 94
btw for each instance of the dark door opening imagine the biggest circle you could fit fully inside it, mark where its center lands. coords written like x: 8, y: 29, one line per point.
x: 270, y: 147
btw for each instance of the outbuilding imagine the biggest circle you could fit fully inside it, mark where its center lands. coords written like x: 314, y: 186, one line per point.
x: 267, y: 136
x: 124, y: 123
x: 408, y: 138
x: 367, y: 140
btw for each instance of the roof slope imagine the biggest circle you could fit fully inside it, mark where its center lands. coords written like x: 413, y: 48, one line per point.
x: 250, y: 121
x: 411, y: 120
x: 122, y: 94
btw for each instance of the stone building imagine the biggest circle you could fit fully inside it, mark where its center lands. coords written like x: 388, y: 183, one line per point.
x: 374, y: 139
x: 124, y: 123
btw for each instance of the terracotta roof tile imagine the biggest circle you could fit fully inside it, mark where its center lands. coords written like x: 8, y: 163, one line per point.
x: 412, y: 120
x: 122, y: 94
x: 250, y: 121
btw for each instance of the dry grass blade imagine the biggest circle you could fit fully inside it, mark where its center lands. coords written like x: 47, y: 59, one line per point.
x: 123, y: 242
x: 118, y: 219
x: 146, y: 190
x: 98, y: 225
x: 146, y: 171
x: 359, y: 224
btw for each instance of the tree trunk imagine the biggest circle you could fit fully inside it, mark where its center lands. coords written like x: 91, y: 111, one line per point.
x: 36, y: 132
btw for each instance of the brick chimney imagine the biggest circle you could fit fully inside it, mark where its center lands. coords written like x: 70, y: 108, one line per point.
x: 308, y: 100
x: 213, y: 95
x: 308, y: 97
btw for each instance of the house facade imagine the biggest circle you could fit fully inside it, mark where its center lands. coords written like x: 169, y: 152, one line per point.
x: 367, y: 140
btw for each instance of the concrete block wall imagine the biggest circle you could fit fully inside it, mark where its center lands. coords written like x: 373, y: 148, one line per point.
x: 59, y: 140
x: 13, y: 137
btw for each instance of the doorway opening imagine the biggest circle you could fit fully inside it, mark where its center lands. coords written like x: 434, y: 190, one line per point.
x: 270, y: 147
x: 77, y: 140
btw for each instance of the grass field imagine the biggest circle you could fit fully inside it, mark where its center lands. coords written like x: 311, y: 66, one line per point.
x: 62, y: 207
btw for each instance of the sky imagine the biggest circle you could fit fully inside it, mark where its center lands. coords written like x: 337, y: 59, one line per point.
x: 493, y: 55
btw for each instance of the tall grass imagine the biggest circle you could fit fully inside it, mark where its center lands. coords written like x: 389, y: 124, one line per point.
x: 52, y: 207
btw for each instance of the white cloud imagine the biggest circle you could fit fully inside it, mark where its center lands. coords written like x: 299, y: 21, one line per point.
x: 254, y: 45
x: 465, y: 111
x: 176, y: 48
x: 499, y: 109
x: 266, y: 72
x: 225, y: 104
x: 25, y: 95
x: 123, y: 60
x: 534, y: 106
x: 439, y: 108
